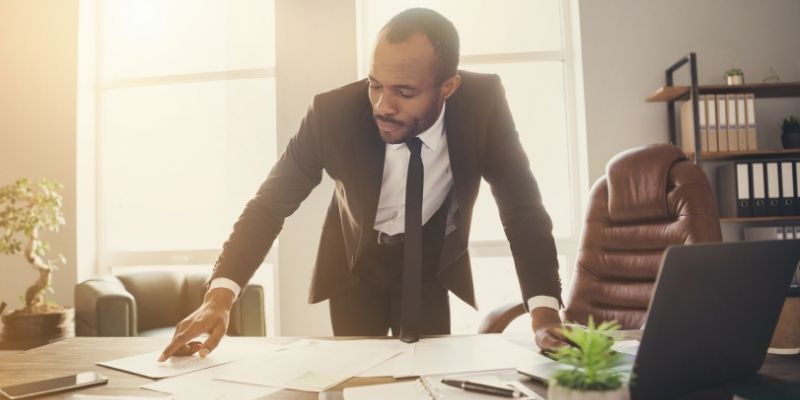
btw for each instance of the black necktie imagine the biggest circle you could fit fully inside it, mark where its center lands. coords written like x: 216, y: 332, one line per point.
x: 412, y: 249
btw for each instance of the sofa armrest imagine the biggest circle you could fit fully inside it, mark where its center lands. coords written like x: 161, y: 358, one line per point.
x: 247, y: 314
x: 104, y: 308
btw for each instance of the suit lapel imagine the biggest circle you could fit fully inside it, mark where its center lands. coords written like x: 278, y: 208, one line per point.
x: 457, y: 145
x: 371, y: 151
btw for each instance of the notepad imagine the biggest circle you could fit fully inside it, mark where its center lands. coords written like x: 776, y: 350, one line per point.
x: 424, y: 388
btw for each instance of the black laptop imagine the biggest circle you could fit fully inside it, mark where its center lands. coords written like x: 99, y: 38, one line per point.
x: 711, y: 317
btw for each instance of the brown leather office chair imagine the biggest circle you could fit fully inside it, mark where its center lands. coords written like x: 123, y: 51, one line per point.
x: 651, y: 197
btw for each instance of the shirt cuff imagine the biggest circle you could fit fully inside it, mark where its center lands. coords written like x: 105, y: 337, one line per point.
x: 234, y: 287
x: 541, y: 301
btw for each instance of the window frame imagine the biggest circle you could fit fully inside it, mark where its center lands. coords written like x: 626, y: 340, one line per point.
x: 106, y: 258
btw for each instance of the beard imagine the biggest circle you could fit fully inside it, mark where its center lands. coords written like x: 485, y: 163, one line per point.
x: 407, y: 130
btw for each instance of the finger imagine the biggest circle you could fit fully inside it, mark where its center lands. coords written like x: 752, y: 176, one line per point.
x: 549, y: 342
x: 188, y: 349
x: 180, y: 339
x: 213, y: 340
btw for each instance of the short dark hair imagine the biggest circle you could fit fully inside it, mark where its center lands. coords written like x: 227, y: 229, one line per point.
x: 441, y: 33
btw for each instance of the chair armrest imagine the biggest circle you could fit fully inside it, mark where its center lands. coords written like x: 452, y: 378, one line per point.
x: 104, y: 308
x: 247, y: 314
x: 499, y: 318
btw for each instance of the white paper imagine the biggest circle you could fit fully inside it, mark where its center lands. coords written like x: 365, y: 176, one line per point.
x: 201, y: 385
x: 147, y: 365
x: 456, y: 354
x: 315, y: 367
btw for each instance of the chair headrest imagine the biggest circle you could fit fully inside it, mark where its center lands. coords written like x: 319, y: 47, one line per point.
x: 637, y: 182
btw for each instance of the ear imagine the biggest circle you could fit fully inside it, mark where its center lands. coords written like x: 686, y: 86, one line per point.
x: 450, y: 86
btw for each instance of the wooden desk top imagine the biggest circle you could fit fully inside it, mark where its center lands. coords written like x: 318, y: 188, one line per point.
x: 80, y: 354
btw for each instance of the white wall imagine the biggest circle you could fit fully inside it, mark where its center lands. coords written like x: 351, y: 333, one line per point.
x: 38, y: 79
x: 316, y: 52
x: 627, y: 45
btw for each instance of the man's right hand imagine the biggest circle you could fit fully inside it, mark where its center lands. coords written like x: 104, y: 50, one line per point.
x: 211, y: 317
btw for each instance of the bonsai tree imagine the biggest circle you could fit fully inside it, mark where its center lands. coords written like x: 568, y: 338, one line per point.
x: 27, y: 208
x: 593, y: 361
x: 790, y: 124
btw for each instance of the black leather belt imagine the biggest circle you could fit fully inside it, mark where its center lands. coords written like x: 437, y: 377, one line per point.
x: 390, y: 240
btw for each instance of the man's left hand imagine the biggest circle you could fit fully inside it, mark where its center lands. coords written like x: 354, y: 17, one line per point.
x: 546, y: 328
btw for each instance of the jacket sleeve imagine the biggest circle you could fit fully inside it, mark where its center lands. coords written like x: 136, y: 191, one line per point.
x: 525, y: 221
x: 289, y: 182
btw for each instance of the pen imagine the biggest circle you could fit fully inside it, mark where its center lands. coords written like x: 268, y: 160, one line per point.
x: 481, y: 388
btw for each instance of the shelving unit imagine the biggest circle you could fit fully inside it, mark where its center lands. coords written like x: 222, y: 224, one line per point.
x: 671, y: 94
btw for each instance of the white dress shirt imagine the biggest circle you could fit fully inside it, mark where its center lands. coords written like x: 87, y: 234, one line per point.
x: 437, y: 182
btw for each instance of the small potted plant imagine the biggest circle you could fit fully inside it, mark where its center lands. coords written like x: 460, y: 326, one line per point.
x: 791, y: 132
x: 593, y: 376
x: 26, y: 210
x: 734, y: 76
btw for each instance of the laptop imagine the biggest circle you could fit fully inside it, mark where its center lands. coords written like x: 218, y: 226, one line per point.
x: 711, y: 317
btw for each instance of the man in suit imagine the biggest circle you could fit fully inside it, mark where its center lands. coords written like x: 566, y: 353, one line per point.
x: 407, y: 149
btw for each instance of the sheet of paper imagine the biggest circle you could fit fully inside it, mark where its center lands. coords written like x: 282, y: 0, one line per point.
x: 147, y: 365
x: 456, y: 354
x: 314, y: 367
x: 201, y: 385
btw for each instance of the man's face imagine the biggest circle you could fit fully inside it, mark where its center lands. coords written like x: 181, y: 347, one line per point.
x: 405, y: 97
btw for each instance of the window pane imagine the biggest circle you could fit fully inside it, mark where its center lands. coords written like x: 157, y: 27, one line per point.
x: 497, y: 284
x: 484, y: 27
x: 535, y: 93
x: 180, y: 161
x: 166, y: 37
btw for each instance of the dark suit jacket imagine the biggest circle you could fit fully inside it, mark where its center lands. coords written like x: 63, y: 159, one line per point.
x: 339, y: 136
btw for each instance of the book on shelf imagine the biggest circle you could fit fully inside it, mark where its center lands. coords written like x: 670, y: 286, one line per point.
x: 727, y: 123
x: 687, y: 125
x: 711, y: 118
x: 733, y: 128
x: 741, y: 123
x: 759, y: 188
x: 750, y: 106
x: 722, y: 124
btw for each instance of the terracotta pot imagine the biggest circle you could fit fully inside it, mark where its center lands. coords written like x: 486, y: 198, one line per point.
x: 39, y: 327
x: 557, y: 392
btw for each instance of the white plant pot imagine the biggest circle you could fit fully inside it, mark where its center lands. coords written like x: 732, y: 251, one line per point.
x: 557, y: 392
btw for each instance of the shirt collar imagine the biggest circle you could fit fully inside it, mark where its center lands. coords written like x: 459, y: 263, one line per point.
x: 431, y: 137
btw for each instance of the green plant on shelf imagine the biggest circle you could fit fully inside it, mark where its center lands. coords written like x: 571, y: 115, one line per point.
x: 790, y: 124
x: 733, y: 72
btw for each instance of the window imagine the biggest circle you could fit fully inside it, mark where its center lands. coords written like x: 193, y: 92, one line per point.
x: 527, y: 43
x: 186, y: 125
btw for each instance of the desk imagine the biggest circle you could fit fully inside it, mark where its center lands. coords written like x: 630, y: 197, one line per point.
x: 80, y: 354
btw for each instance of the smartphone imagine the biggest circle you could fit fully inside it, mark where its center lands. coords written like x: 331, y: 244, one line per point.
x: 47, y: 386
